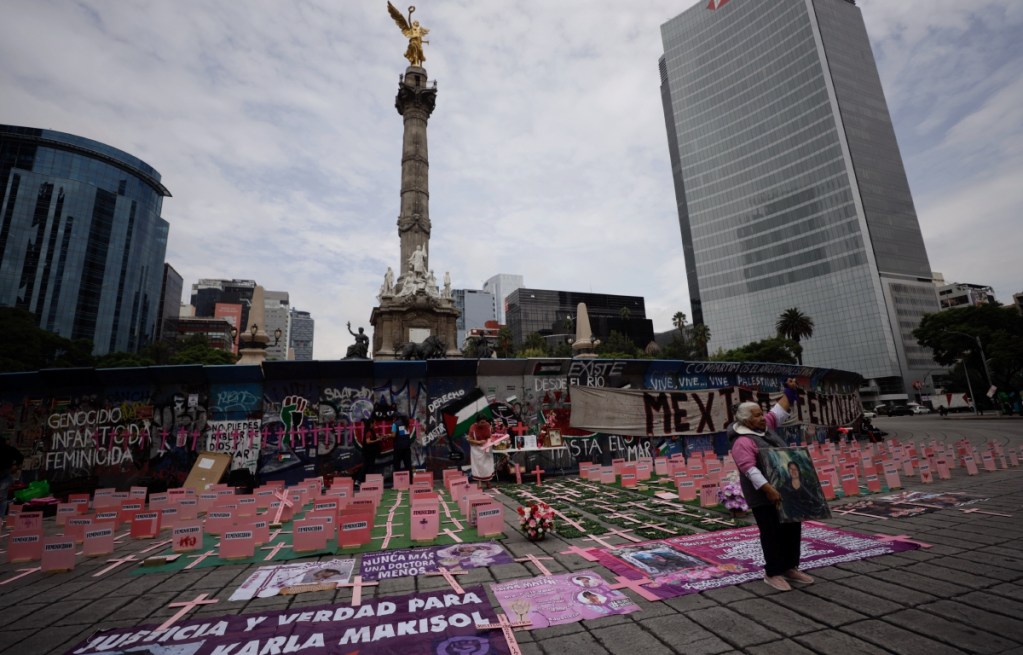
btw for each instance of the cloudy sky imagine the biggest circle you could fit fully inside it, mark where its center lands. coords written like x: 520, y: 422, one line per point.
x: 273, y: 125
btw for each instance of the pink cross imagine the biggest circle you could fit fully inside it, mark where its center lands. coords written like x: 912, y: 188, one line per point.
x: 627, y: 537
x: 600, y: 541
x: 455, y: 521
x: 901, y: 537
x: 21, y: 574
x: 450, y: 577
x: 114, y: 564
x: 199, y: 558
x: 569, y: 521
x: 974, y: 510
x: 357, y: 584
x: 538, y: 472
x: 451, y: 534
x: 281, y: 495
x: 657, y: 526
x: 507, y: 628
x: 155, y: 546
x: 276, y: 548
x: 623, y: 516
x: 536, y: 562
x: 518, y: 473
x: 635, y: 585
x: 581, y: 552
x: 186, y: 606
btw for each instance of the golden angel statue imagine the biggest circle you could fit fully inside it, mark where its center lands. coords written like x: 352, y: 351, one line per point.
x: 415, y: 33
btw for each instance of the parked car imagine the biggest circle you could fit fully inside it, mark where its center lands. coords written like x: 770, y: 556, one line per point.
x: 900, y: 410
x: 920, y: 409
x: 881, y: 410
x: 867, y: 413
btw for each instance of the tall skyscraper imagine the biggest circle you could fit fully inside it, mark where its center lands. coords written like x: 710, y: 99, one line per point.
x: 300, y: 335
x: 501, y: 285
x: 277, y: 314
x: 170, y: 301
x: 82, y: 243
x: 552, y: 314
x: 790, y: 186
x: 475, y: 307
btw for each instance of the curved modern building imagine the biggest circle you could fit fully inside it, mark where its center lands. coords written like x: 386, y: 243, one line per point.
x: 82, y: 243
x: 791, y: 190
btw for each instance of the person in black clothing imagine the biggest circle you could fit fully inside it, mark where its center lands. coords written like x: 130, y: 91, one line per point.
x: 370, y: 449
x: 402, y: 444
x: 11, y: 460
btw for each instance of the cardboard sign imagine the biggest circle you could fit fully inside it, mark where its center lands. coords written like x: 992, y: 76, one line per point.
x: 709, y: 494
x: 107, y: 517
x: 355, y: 530
x: 490, y: 519
x: 327, y: 518
x: 219, y: 521
x: 58, y: 554
x: 187, y: 538
x: 891, y: 477
x: 145, y: 525
x: 989, y: 462
x: 26, y: 547
x: 76, y: 526
x: 168, y: 517
x: 425, y: 520
x: 98, y: 541
x: 237, y: 544
x: 475, y: 504
x: 209, y: 469
x: 103, y: 499
x: 971, y: 464
x: 607, y: 475
x: 286, y: 513
x: 643, y: 471
x: 401, y: 480
x: 64, y: 510
x: 686, y: 490
x: 28, y: 522
x: 850, y: 485
x: 423, y: 477
x: 616, y: 465
x: 827, y: 488
x: 941, y: 464
x: 247, y: 506
x: 629, y: 480
x: 309, y: 536
x: 188, y: 508
x: 873, y: 483
x: 908, y: 468
x: 261, y: 529
x: 264, y: 496
x: 138, y: 493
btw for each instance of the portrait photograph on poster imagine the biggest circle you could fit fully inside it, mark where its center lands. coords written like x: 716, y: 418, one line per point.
x: 791, y: 472
x: 554, y: 439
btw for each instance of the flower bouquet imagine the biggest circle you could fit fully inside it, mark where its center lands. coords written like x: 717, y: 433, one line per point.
x: 536, y: 520
x: 730, y: 495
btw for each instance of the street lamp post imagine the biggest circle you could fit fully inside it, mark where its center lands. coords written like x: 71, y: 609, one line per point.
x: 983, y: 357
x: 969, y: 386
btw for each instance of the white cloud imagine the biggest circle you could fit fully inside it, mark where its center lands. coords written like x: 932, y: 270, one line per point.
x: 273, y: 125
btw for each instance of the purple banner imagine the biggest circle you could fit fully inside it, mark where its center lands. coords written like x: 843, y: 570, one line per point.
x: 693, y: 563
x: 417, y: 561
x: 558, y: 599
x: 439, y: 623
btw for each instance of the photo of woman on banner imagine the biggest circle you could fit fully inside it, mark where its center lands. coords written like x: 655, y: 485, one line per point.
x: 793, y: 475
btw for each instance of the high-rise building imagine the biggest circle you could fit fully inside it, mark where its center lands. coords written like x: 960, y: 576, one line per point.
x: 300, y: 335
x: 276, y: 313
x: 82, y: 243
x: 552, y: 315
x: 476, y: 307
x: 790, y: 186
x: 501, y: 285
x: 207, y: 293
x: 170, y: 301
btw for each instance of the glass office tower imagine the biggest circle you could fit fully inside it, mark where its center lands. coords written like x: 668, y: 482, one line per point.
x: 790, y: 187
x: 82, y: 243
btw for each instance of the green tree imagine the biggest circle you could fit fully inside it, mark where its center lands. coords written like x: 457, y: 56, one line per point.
x: 624, y: 313
x: 679, y: 320
x: 775, y: 350
x: 196, y: 349
x: 124, y: 360
x: 795, y: 325
x: 953, y: 334
x: 617, y: 346
x: 505, y: 342
x: 27, y: 347
x: 701, y: 337
x: 534, y: 346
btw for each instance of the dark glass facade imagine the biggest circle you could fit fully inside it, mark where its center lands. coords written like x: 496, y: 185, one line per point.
x: 82, y: 243
x: 791, y: 191
x: 545, y: 312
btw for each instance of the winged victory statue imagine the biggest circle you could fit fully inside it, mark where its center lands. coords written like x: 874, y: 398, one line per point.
x: 413, y: 31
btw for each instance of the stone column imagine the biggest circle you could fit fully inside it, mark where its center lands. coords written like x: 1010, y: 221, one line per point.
x: 252, y: 346
x: 415, y: 102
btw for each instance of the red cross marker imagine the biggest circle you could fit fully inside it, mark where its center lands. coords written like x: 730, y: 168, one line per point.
x: 536, y: 562
x: 276, y: 548
x: 357, y: 584
x: 901, y: 537
x: 114, y: 564
x: 520, y: 429
x: 508, y: 629
x: 450, y: 577
x: 185, y: 608
x: 581, y: 552
x: 634, y: 585
x: 199, y: 558
x: 21, y: 574
x: 538, y: 472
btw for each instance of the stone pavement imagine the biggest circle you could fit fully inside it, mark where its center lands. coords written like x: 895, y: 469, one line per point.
x: 964, y: 594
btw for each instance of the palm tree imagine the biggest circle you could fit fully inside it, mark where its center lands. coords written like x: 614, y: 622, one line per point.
x: 679, y: 320
x: 794, y: 324
x: 624, y: 313
x: 701, y: 337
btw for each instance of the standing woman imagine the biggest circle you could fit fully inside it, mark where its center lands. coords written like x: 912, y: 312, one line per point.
x: 482, y: 460
x: 752, y: 433
x: 402, y: 460
x: 370, y: 448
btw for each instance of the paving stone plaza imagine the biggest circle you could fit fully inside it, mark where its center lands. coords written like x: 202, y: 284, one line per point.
x: 963, y: 592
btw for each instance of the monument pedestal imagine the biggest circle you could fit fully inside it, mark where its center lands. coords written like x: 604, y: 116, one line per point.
x: 400, y: 320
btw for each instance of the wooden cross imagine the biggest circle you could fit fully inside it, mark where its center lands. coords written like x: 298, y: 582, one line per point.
x: 114, y: 564
x: 538, y: 472
x: 450, y: 577
x: 281, y: 495
x: 628, y: 537
x: 843, y: 512
x: 656, y: 526
x: 901, y: 537
x: 155, y: 546
x: 507, y: 628
x: 974, y: 510
x: 634, y: 585
x: 122, y: 536
x: 600, y: 541
x: 569, y: 521
x: 454, y: 536
x: 357, y: 584
x: 452, y: 519
x: 185, y: 606
x: 536, y: 562
x: 21, y: 574
x: 276, y: 548
x: 581, y: 552
x: 199, y: 558
x: 624, y: 517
